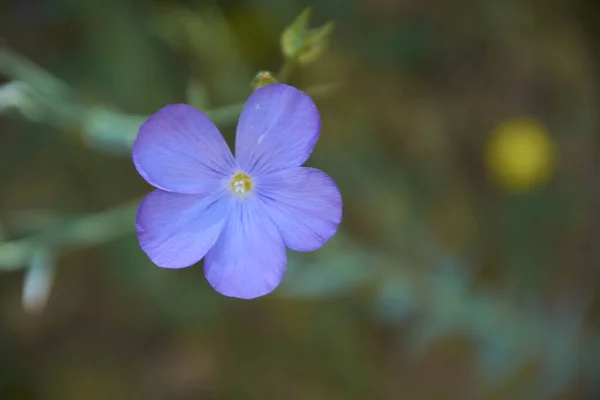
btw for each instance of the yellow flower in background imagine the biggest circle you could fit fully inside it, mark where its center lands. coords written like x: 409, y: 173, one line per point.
x: 520, y: 154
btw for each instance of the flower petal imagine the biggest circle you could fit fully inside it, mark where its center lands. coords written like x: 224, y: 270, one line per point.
x: 249, y: 259
x: 305, y: 205
x: 180, y: 150
x: 278, y: 128
x: 177, y: 230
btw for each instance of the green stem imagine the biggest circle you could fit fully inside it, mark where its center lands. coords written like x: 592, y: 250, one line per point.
x: 87, y: 231
x: 102, y: 127
x: 285, y: 72
x: 48, y: 95
x: 18, y: 68
x: 50, y: 99
x: 226, y: 114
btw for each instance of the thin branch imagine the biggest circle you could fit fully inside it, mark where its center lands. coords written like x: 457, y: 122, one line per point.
x: 40, y: 96
x: 90, y: 230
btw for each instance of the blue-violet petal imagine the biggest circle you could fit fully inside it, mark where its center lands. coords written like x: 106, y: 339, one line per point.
x: 177, y: 230
x: 305, y: 205
x: 180, y: 150
x: 249, y: 259
x: 278, y: 128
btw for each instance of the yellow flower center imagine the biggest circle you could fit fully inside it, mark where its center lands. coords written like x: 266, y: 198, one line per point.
x: 241, y: 184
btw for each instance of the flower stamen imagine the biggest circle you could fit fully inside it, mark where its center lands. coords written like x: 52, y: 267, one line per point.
x: 241, y: 184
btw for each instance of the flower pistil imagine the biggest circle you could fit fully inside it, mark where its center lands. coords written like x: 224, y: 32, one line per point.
x: 241, y: 184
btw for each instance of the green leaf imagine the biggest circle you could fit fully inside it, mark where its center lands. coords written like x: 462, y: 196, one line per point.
x: 293, y: 36
x: 315, y: 43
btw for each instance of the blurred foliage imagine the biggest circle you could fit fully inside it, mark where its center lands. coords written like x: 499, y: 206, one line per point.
x: 463, y: 137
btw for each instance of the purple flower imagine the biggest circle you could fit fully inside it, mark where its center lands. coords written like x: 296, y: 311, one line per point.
x: 238, y: 213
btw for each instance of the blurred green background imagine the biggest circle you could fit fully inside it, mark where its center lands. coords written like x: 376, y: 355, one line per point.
x: 464, y: 139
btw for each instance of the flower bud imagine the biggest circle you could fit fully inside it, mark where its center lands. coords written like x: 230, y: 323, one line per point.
x: 263, y: 78
x: 302, y: 45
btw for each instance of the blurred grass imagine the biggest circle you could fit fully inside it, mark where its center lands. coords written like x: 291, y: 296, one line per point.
x: 442, y: 283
